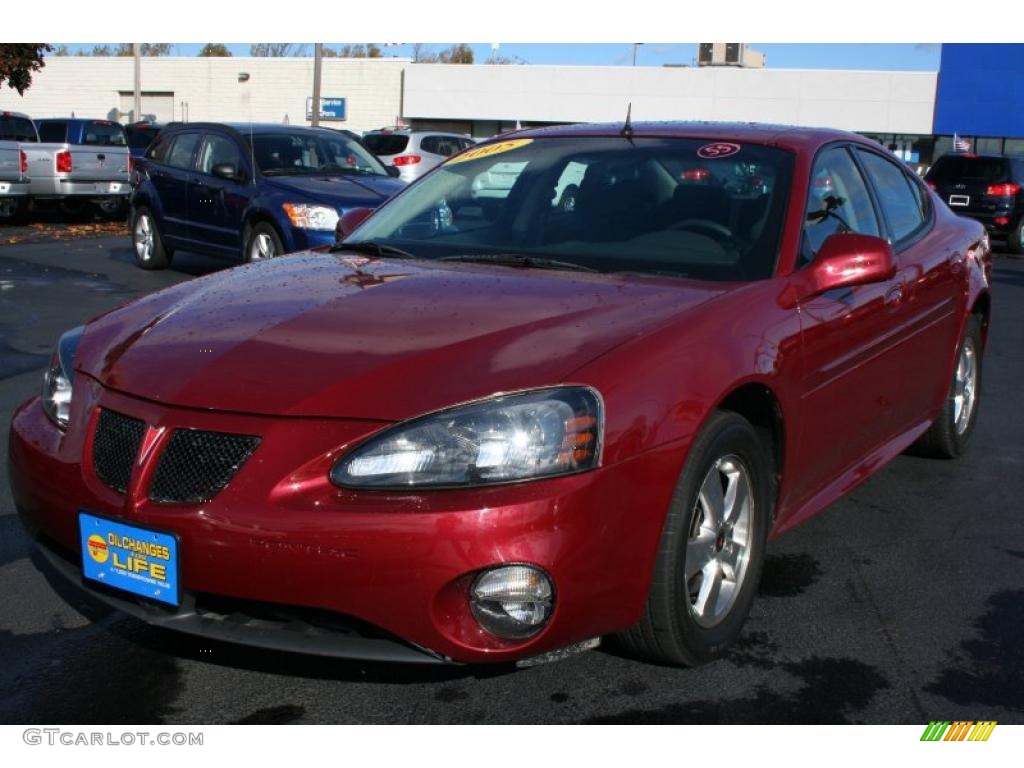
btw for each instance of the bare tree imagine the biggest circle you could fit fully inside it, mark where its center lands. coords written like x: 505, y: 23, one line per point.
x: 360, y: 51
x: 278, y: 49
x: 421, y: 54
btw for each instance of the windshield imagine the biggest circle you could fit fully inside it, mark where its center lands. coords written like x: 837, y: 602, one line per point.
x: 14, y: 128
x: 312, y: 153
x: 610, y: 204
x: 102, y: 133
x: 386, y: 143
x: 963, y: 168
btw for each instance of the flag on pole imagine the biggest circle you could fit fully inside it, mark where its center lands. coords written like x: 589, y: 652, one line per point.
x: 961, y: 145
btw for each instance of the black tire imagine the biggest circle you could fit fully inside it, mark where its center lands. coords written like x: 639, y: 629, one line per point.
x: 13, y: 210
x: 157, y: 255
x: 1015, y: 240
x: 255, y: 238
x: 671, y: 631
x: 113, y: 209
x: 72, y: 207
x: 944, y: 438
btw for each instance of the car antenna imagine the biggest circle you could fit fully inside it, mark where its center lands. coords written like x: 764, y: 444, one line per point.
x: 627, y: 127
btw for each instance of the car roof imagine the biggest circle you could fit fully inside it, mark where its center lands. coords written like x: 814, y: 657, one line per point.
x: 253, y: 128
x: 792, y: 137
x: 418, y: 132
x: 981, y: 155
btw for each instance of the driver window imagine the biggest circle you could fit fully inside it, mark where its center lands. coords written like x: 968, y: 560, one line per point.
x: 838, y: 202
x: 216, y: 151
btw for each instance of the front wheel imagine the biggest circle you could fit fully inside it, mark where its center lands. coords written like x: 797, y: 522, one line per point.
x: 712, y: 548
x: 263, y: 243
x: 1015, y: 241
x: 949, y: 434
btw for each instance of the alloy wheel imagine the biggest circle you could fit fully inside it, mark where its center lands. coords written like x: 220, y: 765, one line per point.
x: 965, y: 386
x: 718, y: 547
x: 144, y: 238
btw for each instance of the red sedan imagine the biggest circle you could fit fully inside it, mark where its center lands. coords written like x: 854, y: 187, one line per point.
x: 564, y: 387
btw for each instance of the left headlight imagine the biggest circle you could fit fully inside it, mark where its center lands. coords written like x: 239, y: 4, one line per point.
x: 59, y: 377
x: 522, y: 436
x: 305, y: 216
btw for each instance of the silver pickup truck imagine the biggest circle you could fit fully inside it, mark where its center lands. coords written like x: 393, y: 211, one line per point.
x: 16, y: 130
x: 79, y: 161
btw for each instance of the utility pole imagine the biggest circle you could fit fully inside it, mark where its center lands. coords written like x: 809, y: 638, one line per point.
x: 318, y: 53
x: 635, y: 46
x: 137, y: 106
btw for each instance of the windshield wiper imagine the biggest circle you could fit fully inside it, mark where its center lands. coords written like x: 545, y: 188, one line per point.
x: 519, y: 260
x: 374, y: 249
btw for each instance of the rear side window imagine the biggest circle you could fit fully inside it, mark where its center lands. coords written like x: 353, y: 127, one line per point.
x: 102, y: 133
x: 902, y: 207
x: 445, y: 146
x: 140, y: 138
x: 962, y: 168
x: 53, y: 131
x: 386, y: 143
x: 181, y: 151
x: 838, y: 202
x: 14, y: 128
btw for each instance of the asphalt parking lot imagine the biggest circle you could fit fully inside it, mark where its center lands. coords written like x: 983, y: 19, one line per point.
x: 901, y: 604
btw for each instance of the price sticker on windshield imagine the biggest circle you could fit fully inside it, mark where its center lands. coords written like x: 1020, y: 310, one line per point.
x: 718, y: 150
x: 490, y: 149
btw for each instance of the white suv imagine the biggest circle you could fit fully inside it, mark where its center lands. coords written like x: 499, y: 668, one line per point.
x: 414, y: 152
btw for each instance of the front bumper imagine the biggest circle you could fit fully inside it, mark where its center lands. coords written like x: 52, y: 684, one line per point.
x: 281, y: 535
x: 306, y: 239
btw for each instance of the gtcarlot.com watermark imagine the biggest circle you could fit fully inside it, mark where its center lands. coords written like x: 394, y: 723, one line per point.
x: 70, y: 738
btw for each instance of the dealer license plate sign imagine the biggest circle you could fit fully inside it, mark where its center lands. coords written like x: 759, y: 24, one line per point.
x: 130, y: 558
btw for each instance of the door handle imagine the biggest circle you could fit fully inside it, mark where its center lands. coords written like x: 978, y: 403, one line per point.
x: 894, y: 295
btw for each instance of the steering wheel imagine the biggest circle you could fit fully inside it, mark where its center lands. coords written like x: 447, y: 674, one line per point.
x: 706, y: 225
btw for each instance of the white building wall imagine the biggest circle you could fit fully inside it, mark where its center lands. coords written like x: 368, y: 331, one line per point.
x: 90, y: 86
x: 877, y: 102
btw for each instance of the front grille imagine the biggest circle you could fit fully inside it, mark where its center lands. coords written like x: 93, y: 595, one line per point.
x: 114, y: 447
x: 195, y: 465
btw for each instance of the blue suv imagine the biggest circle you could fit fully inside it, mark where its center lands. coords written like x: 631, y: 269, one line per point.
x: 248, y: 192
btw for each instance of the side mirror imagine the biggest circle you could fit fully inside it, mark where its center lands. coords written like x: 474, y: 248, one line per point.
x: 350, y: 221
x: 227, y: 171
x: 393, y: 171
x: 845, y: 260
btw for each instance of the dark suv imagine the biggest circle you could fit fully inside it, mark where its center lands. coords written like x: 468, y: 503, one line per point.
x: 248, y: 191
x: 988, y: 188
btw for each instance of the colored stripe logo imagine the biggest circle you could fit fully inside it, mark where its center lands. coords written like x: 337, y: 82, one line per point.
x: 958, y: 730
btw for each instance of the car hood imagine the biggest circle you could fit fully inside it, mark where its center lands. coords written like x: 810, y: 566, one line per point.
x: 335, y: 335
x: 348, y: 191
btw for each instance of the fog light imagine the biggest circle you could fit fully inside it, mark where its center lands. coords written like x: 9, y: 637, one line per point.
x: 512, y: 601
x: 1002, y: 221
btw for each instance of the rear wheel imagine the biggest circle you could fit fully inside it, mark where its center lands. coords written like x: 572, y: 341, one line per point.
x: 12, y: 210
x: 112, y: 208
x: 150, y: 252
x: 949, y: 434
x: 712, y: 548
